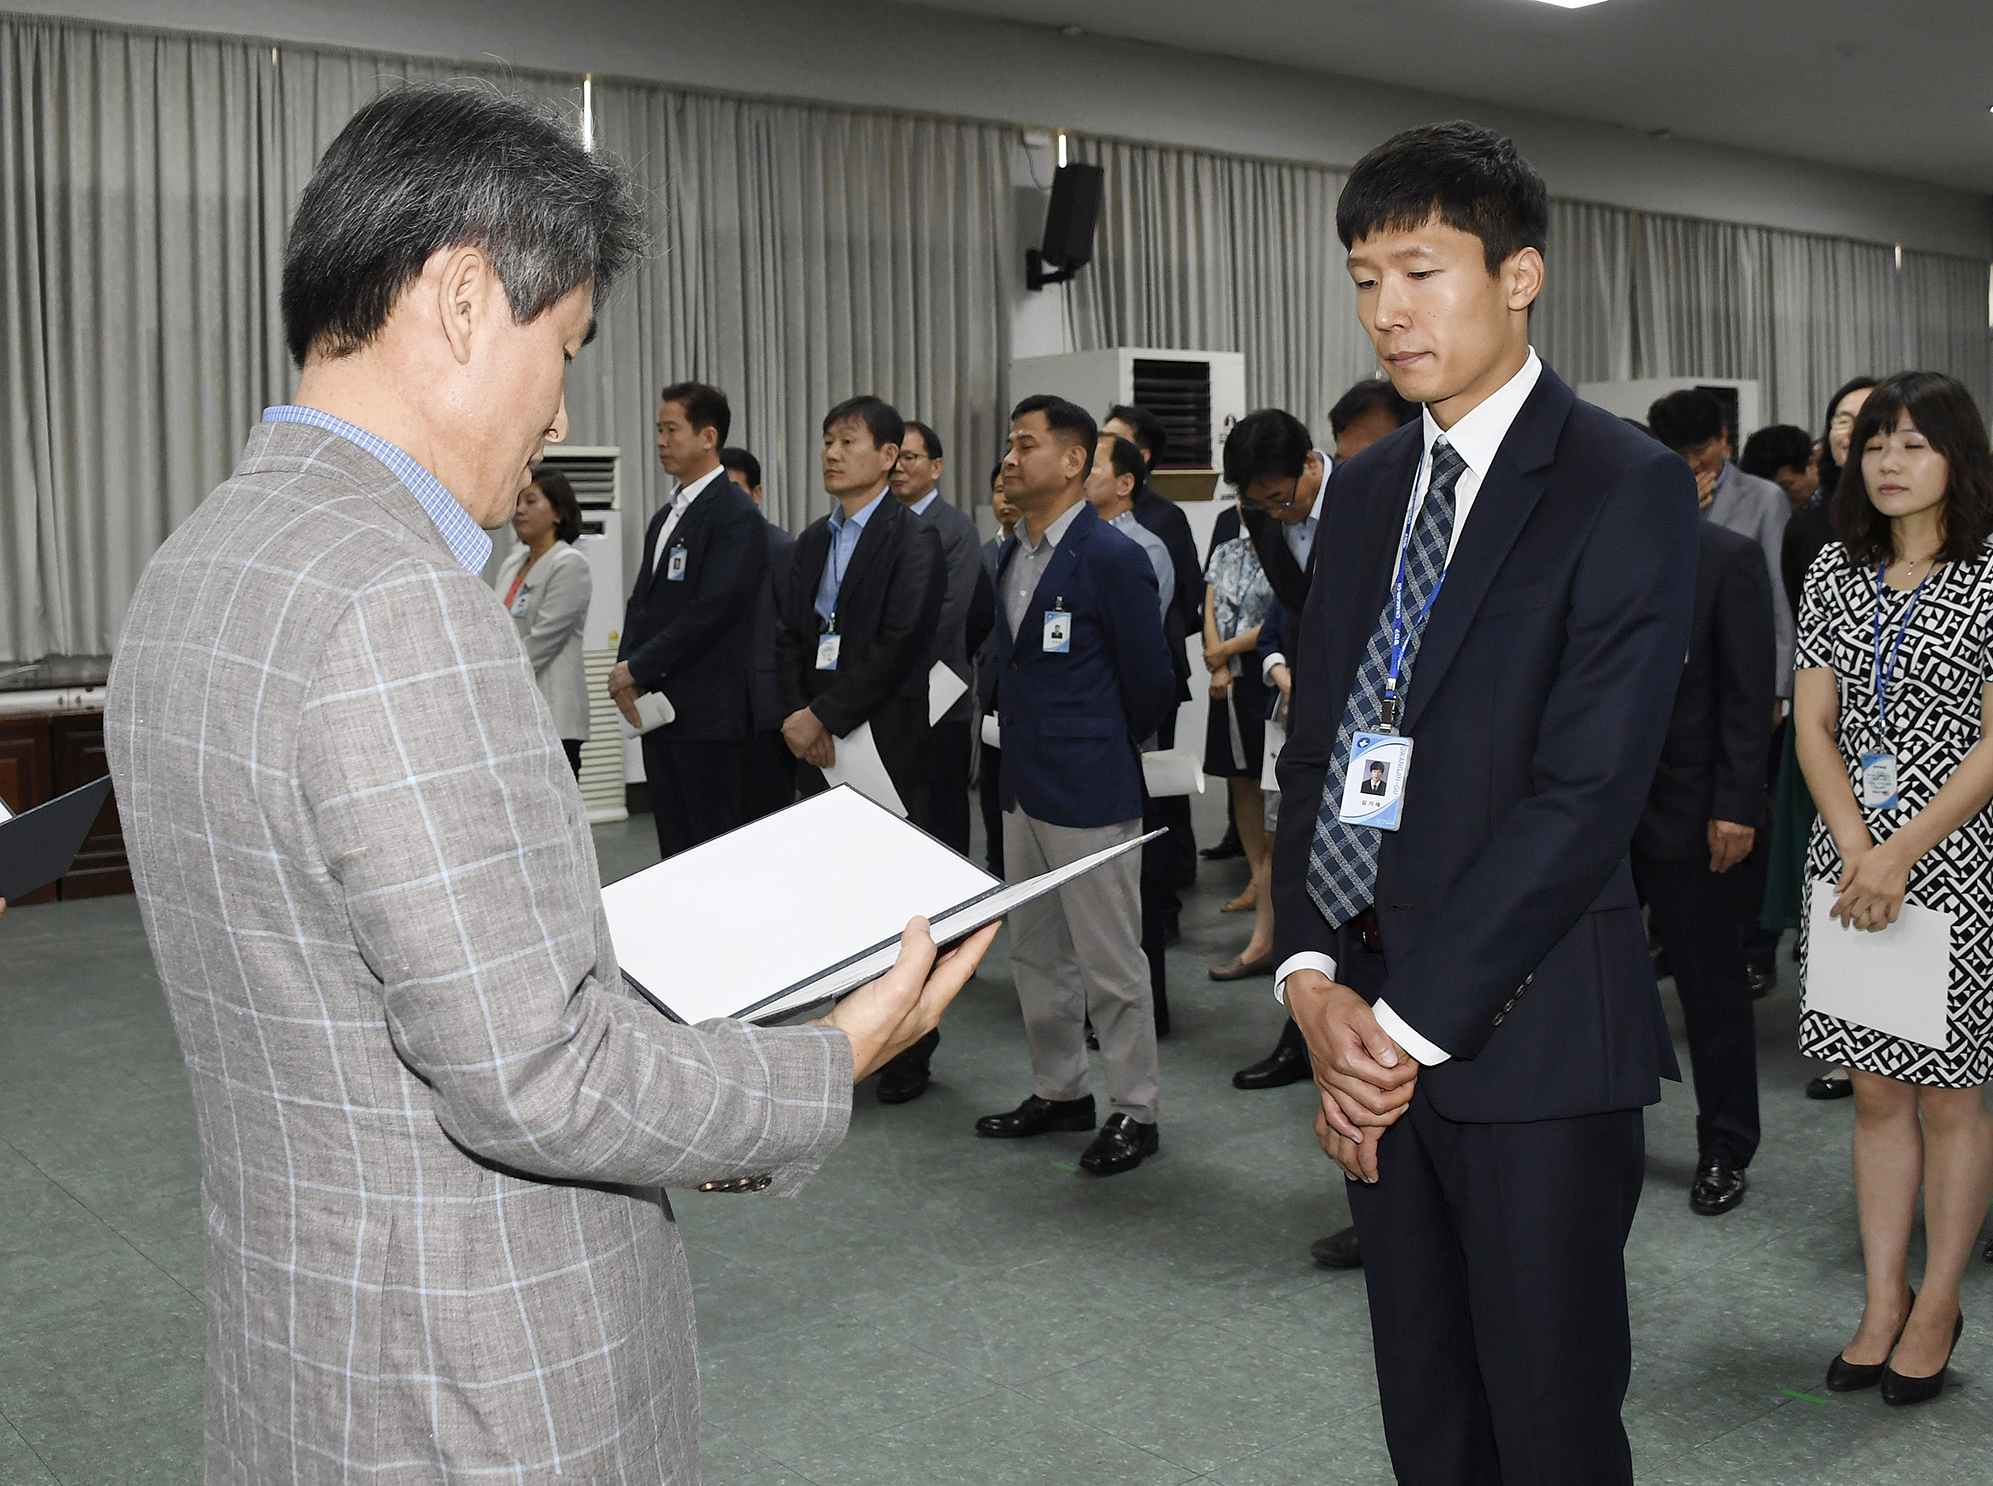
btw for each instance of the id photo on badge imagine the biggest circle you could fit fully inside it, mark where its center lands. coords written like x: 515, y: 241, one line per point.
x: 1374, y: 788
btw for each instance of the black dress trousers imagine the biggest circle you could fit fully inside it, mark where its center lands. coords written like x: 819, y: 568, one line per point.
x: 1495, y: 1260
x: 695, y: 791
x: 948, y: 803
x: 988, y: 771
x: 1691, y: 911
x: 770, y: 782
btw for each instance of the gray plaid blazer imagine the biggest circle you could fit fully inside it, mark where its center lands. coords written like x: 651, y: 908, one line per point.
x: 434, y: 1126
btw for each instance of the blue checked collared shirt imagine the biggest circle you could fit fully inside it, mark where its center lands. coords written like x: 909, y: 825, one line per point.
x: 467, y: 541
x: 844, y: 534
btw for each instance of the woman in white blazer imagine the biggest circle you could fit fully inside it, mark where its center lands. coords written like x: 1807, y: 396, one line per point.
x: 546, y: 584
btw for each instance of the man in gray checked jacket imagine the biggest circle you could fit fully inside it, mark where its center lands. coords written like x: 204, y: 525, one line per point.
x: 434, y: 1127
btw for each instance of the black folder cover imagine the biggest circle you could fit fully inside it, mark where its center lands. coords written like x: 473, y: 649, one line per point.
x: 37, y: 846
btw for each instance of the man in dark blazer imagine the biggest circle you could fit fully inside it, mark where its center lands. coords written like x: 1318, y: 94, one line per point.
x: 989, y: 767
x: 1085, y: 677
x: 689, y: 629
x: 770, y: 779
x: 1474, y: 984
x: 916, y: 485
x: 1170, y: 864
x: 856, y: 637
x: 1705, y: 808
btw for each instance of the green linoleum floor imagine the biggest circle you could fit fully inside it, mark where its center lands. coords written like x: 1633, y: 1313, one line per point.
x: 940, y: 1309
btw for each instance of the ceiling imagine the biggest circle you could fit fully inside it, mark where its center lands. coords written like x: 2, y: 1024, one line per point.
x: 1903, y: 88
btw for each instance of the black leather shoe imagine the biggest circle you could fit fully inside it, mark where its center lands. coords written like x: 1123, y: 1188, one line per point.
x: 1899, y: 1390
x: 1228, y: 846
x: 1286, y: 1064
x: 1037, y: 1116
x: 1122, y: 1143
x: 1337, y: 1251
x: 1718, y: 1186
x: 1844, y: 1376
x: 906, y: 1077
x: 1824, y: 1087
x: 1763, y: 978
x: 1241, y: 968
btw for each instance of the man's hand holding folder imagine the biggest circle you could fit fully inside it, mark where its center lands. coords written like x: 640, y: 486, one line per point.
x: 887, y: 1016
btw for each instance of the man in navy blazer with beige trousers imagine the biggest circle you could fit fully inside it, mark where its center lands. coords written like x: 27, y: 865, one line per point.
x: 1474, y: 983
x: 1084, y: 677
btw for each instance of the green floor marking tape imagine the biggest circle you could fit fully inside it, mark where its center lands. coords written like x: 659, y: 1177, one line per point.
x: 1064, y: 1167
x: 1809, y: 1398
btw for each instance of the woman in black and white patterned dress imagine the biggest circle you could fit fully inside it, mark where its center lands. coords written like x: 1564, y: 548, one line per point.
x: 1893, y: 705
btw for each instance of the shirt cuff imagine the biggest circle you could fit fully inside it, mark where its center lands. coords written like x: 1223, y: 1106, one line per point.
x: 1402, y: 1034
x: 1306, y: 960
x: 1266, y: 666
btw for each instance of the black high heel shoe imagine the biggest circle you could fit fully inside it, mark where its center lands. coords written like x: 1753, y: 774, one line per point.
x: 1899, y: 1390
x: 1844, y: 1376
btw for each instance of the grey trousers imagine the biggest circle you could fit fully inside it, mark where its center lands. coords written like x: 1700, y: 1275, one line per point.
x: 1077, y: 953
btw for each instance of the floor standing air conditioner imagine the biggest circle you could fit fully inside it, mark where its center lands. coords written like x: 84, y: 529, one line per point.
x: 597, y: 476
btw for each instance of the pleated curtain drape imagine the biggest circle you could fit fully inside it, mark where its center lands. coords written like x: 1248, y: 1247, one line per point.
x: 1216, y: 252
x: 801, y: 254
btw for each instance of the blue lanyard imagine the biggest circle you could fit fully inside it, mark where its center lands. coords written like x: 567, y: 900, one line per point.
x: 1882, y: 680
x: 1399, y: 639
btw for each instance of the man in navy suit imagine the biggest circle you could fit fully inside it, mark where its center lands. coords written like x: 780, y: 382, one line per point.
x: 689, y: 629
x: 1506, y: 583
x: 1085, y: 678
x: 770, y: 770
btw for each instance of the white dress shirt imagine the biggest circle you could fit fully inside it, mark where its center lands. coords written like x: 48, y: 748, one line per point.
x: 1475, y: 438
x: 1300, y: 535
x: 680, y: 503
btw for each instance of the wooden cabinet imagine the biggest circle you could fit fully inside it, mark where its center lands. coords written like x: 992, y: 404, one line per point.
x: 46, y: 755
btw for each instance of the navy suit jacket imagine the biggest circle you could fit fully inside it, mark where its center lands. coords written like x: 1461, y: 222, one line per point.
x: 1073, y: 723
x: 1537, y: 704
x: 1713, y: 762
x: 693, y: 639
x: 768, y: 713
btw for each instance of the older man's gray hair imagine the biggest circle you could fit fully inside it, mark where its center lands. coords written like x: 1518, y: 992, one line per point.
x: 444, y: 166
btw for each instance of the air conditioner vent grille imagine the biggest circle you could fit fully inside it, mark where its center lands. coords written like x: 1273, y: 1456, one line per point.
x: 1179, y: 393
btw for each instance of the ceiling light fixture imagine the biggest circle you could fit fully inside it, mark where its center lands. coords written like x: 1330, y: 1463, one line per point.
x: 1572, y: 4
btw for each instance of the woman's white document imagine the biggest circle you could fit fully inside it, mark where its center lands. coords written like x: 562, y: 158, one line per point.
x: 655, y: 708
x: 800, y: 907
x: 1171, y: 771
x: 1897, y: 980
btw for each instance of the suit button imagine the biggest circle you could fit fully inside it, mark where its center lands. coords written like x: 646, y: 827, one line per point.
x: 1013, y: 665
x: 760, y: 1183
x: 1529, y: 980
x: 1498, y: 1017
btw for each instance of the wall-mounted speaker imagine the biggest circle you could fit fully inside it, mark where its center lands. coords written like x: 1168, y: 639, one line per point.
x: 1069, y: 224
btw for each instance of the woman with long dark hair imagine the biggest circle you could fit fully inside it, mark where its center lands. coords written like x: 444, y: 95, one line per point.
x: 546, y: 584
x: 1892, y: 709
x: 1810, y: 529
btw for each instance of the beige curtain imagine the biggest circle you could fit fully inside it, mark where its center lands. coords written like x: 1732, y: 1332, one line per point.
x: 802, y: 255
x: 1204, y: 251
x: 146, y: 180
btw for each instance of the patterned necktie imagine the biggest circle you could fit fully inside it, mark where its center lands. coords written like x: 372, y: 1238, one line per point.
x: 1342, y: 862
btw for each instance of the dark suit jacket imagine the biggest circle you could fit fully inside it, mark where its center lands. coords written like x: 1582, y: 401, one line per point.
x: 887, y: 612
x: 1811, y: 529
x: 961, y: 551
x: 1165, y: 518
x: 1073, y: 722
x: 988, y: 663
x: 1538, y: 702
x: 768, y: 713
x: 694, y: 639
x: 1286, y: 577
x: 1713, y: 762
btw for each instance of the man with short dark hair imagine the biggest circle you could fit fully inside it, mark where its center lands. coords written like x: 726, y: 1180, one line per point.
x: 1169, y: 865
x: 1272, y: 463
x: 916, y: 484
x: 434, y: 1123
x: 1085, y: 678
x: 1501, y: 606
x: 1364, y: 414
x: 1690, y: 422
x: 768, y: 779
x: 1788, y: 457
x: 856, y: 638
x: 688, y: 631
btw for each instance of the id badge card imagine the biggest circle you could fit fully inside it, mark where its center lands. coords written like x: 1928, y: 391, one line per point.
x: 1374, y: 789
x: 674, y: 566
x: 1878, y: 781
x: 1058, y: 632
x: 519, y: 601
x: 827, y: 647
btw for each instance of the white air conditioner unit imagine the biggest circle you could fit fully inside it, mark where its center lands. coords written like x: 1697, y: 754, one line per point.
x: 1199, y: 395
x: 596, y: 472
x: 1742, y: 404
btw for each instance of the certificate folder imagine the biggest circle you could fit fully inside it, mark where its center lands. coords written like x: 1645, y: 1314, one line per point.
x: 800, y: 907
x: 37, y: 846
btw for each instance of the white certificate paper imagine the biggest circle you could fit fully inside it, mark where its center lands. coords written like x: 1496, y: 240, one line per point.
x: 1896, y: 981
x: 858, y: 764
x: 943, y: 687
